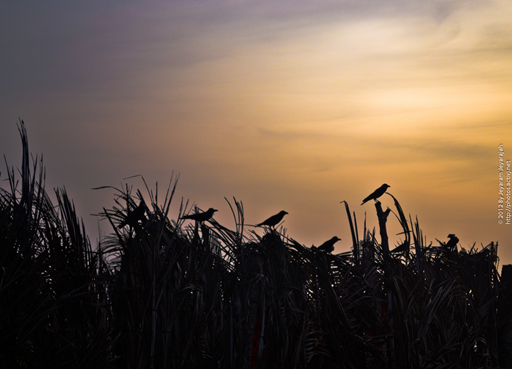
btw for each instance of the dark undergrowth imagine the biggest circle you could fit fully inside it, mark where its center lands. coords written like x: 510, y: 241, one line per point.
x: 161, y: 293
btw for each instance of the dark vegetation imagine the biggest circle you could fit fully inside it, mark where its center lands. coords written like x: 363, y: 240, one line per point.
x: 162, y: 293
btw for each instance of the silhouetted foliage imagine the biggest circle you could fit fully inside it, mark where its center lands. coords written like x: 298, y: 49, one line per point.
x: 157, y: 293
x: 54, y: 289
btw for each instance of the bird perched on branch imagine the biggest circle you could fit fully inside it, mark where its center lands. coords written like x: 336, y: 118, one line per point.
x: 201, y: 217
x: 273, y: 220
x: 328, y: 246
x: 405, y: 247
x: 377, y: 193
x: 133, y: 217
x: 452, y: 243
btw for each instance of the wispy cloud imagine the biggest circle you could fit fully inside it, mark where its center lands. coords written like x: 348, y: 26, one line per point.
x: 286, y: 101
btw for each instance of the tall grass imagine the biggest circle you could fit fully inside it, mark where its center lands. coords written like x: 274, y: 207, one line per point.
x: 54, y: 289
x: 162, y: 293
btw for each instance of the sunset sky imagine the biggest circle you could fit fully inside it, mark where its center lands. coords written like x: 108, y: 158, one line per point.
x: 285, y: 105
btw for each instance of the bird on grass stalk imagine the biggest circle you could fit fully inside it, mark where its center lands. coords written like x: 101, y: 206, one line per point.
x: 328, y: 246
x: 133, y: 217
x: 377, y: 193
x: 452, y: 243
x: 201, y: 217
x: 405, y: 247
x: 273, y: 220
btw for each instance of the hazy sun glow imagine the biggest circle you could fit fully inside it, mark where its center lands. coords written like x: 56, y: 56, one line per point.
x: 284, y: 107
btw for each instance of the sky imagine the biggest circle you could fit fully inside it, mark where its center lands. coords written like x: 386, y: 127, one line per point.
x: 289, y: 105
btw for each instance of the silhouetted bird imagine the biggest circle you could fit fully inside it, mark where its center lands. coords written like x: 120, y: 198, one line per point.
x: 453, y: 241
x: 377, y: 193
x: 201, y: 217
x: 273, y: 220
x: 328, y: 246
x: 401, y: 248
x: 133, y: 217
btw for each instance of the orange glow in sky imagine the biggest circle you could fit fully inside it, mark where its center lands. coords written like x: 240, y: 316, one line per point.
x: 290, y: 106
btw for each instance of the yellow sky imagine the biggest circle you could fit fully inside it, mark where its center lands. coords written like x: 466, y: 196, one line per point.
x: 284, y: 108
